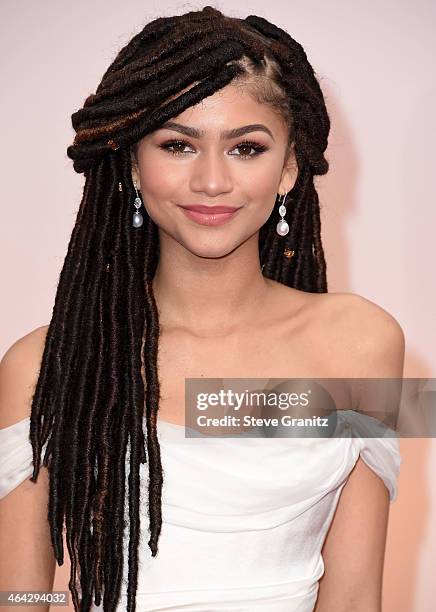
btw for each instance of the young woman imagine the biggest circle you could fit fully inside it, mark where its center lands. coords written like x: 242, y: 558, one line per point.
x: 225, y: 114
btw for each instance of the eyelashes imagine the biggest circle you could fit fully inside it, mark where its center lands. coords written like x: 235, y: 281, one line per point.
x: 247, y: 144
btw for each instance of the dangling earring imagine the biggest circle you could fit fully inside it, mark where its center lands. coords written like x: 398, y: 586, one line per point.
x: 137, y: 217
x: 282, y: 226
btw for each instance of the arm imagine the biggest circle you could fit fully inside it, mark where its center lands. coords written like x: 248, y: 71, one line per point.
x: 354, y: 547
x: 27, y: 559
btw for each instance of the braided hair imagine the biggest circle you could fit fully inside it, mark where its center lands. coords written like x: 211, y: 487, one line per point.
x: 99, y: 366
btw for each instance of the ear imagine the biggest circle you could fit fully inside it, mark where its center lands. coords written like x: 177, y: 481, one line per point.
x: 135, y: 168
x: 289, y: 172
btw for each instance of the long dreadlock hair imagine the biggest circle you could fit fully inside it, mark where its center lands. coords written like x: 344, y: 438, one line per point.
x: 99, y: 365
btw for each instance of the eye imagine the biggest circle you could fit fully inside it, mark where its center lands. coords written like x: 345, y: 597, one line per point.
x: 166, y: 146
x: 174, y: 147
x: 249, y: 144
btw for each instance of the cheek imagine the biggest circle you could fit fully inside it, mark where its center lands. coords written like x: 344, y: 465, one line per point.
x: 261, y: 180
x: 157, y: 183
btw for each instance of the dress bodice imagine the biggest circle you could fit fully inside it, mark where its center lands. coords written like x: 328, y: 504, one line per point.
x: 243, y: 520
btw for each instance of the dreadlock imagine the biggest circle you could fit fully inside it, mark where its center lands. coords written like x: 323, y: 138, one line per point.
x: 99, y: 365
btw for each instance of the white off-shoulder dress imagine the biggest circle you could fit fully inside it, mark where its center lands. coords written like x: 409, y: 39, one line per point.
x: 243, y: 520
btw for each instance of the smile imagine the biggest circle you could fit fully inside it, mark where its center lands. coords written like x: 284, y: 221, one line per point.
x: 210, y: 218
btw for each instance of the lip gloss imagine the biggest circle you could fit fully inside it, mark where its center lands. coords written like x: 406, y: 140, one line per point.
x: 209, y: 218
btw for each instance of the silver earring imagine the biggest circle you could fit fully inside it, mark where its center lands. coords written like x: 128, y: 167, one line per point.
x: 282, y: 226
x: 137, y: 217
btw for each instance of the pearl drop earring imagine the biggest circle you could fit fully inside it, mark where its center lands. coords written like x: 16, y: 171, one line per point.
x: 282, y: 226
x: 137, y: 217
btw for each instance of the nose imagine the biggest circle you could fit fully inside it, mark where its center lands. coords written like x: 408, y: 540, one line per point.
x: 211, y: 174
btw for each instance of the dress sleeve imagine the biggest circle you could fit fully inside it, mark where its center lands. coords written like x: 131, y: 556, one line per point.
x: 378, y: 446
x: 16, y: 458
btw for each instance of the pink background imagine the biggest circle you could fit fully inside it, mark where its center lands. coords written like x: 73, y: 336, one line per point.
x: 375, y: 61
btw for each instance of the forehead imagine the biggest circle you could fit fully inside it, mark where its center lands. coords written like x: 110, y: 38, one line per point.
x: 229, y: 107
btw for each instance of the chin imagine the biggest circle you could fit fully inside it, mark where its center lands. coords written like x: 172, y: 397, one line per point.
x: 211, y: 251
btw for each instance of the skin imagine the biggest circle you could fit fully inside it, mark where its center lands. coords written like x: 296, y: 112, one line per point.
x: 213, y: 273
x: 221, y: 318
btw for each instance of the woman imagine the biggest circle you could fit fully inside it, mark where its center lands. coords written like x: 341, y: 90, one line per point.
x: 196, y: 110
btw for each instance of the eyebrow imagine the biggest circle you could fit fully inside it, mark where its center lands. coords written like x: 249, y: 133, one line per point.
x: 226, y: 134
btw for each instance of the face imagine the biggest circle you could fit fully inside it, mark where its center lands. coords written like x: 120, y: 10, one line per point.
x: 197, y: 163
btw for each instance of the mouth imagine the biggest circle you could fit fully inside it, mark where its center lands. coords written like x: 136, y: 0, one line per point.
x: 210, y: 215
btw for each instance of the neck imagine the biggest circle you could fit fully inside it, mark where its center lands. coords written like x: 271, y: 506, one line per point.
x: 206, y: 295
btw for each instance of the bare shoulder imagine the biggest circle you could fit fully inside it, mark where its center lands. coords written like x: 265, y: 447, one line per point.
x: 344, y: 315
x: 359, y: 315
x: 354, y: 336
x: 367, y: 331
x: 26, y: 551
x: 19, y: 370
x: 350, y: 311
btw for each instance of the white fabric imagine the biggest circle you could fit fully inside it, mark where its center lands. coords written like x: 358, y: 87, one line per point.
x: 15, y: 456
x: 244, y: 520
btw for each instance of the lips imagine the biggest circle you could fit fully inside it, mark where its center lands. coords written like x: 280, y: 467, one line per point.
x: 211, y: 210
x: 210, y: 215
